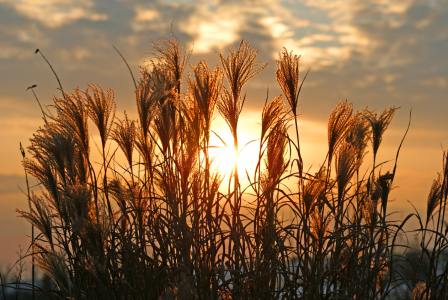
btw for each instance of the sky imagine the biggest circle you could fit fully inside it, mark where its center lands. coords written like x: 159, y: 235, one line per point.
x: 376, y: 54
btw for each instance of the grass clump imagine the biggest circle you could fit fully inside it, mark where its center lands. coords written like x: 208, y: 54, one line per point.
x: 161, y: 228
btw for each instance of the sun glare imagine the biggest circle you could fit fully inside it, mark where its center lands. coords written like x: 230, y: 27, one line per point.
x: 223, y: 153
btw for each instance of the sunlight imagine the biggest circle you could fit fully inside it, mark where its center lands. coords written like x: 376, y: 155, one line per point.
x: 224, y: 155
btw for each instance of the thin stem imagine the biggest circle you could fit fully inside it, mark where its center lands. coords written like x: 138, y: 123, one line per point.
x: 32, y: 226
x: 62, y: 90
x: 132, y: 75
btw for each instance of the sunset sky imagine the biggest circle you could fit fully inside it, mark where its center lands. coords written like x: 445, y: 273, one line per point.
x: 377, y: 53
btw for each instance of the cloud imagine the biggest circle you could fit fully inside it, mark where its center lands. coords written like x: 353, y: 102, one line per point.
x: 56, y: 13
x: 438, y: 82
x: 205, y: 32
x: 17, y: 34
x: 364, y: 51
x: 148, y: 17
x: 210, y: 26
x: 356, y: 39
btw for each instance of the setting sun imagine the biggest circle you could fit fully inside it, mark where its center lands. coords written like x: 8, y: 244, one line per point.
x: 223, y: 155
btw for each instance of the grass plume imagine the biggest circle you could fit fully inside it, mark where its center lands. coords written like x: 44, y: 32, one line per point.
x: 171, y: 231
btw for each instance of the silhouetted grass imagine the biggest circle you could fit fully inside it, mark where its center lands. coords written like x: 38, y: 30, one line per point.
x: 162, y: 229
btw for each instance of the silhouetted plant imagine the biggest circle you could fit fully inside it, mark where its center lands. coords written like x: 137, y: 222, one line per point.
x: 167, y: 231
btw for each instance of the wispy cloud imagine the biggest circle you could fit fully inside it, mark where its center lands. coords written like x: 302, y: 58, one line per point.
x: 56, y: 13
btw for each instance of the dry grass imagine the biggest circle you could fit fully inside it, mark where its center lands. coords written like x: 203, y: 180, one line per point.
x: 160, y: 229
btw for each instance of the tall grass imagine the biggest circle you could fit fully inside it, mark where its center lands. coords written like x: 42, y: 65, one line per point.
x: 161, y: 228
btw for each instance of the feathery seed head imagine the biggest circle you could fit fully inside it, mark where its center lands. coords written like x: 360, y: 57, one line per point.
x: 340, y: 123
x: 78, y: 199
x: 72, y: 115
x: 205, y: 91
x: 149, y: 91
x: 270, y: 114
x: 174, y: 56
x: 434, y: 197
x: 319, y: 225
x: 165, y: 120
x: 288, y: 77
x: 145, y: 147
x: 379, y: 125
x: 384, y: 185
x: 56, y: 147
x: 359, y: 135
x: 346, y: 165
x: 58, y: 157
x: 240, y: 66
x: 445, y: 174
x: 230, y: 110
x: 53, y: 264
x: 311, y: 191
x: 119, y: 192
x: 124, y: 134
x: 44, y: 172
x: 370, y: 212
x: 275, y: 152
x: 101, y: 109
x: 40, y: 216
